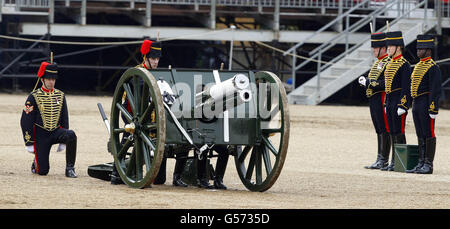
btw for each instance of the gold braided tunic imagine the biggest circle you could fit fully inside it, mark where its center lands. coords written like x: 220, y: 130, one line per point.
x: 46, y: 110
x: 426, y: 79
x: 391, y: 71
x: 419, y: 72
x: 397, y: 78
x: 50, y: 106
x: 375, y: 84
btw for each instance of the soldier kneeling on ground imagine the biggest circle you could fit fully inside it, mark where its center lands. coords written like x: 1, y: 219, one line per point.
x: 45, y: 121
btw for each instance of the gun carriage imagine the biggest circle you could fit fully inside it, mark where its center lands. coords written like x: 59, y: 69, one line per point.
x: 169, y: 110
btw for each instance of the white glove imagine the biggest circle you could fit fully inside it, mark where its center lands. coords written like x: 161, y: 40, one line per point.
x: 362, y: 80
x: 30, y: 149
x: 400, y: 111
x: 61, y: 147
x: 433, y: 116
x: 166, y: 92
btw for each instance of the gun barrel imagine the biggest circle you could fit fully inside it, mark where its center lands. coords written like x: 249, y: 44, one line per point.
x: 105, y: 119
x: 240, y: 97
x: 102, y: 112
x: 226, y: 88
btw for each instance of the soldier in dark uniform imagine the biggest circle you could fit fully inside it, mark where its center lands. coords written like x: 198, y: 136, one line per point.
x: 151, y: 52
x: 374, y: 85
x: 397, y: 85
x: 221, y: 165
x: 45, y: 121
x: 425, y: 91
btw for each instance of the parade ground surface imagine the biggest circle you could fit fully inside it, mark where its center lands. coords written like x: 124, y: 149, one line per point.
x: 329, y: 147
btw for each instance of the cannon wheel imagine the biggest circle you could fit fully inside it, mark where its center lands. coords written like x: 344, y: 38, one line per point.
x: 139, y: 157
x: 259, y: 171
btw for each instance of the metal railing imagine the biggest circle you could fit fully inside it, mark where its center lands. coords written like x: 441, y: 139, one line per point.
x: 18, y: 4
x: 444, y: 7
x: 330, y: 24
x: 322, y: 4
x: 26, y: 3
x: 34, y: 3
x: 424, y: 3
x: 329, y: 4
x: 353, y: 28
x: 329, y: 44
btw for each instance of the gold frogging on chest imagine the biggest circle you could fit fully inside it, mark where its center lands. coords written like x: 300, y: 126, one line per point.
x: 50, y: 106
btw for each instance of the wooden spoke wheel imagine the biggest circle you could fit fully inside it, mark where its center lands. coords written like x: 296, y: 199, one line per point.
x: 138, y: 128
x: 260, y: 165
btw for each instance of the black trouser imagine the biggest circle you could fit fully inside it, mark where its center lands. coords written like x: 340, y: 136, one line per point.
x: 181, y: 158
x: 423, y: 123
x: 43, y: 142
x: 221, y: 163
x: 377, y: 113
x: 396, y: 122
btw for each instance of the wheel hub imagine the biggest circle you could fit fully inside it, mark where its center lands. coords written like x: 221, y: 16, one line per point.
x: 130, y: 128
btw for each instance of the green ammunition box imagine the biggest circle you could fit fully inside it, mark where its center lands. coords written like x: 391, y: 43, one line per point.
x: 406, y: 157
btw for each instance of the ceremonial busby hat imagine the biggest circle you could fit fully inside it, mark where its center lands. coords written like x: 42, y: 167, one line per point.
x: 395, y: 38
x: 48, y: 70
x: 151, y: 49
x: 425, y: 41
x: 378, y: 40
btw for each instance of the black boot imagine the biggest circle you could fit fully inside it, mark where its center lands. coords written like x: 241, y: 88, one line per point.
x: 384, y: 145
x: 161, y: 176
x: 430, y: 150
x: 70, y: 172
x: 204, y: 183
x: 218, y: 183
x: 179, y: 167
x: 177, y: 181
x: 33, y: 167
x: 393, y: 142
x: 71, y: 154
x: 396, y: 139
x: 422, y: 148
x: 221, y: 166
x: 202, y: 180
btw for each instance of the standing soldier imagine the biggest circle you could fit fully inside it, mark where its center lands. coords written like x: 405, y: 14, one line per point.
x: 374, y: 85
x: 397, y: 85
x: 425, y: 91
x: 151, y: 53
x: 221, y: 166
x: 45, y: 121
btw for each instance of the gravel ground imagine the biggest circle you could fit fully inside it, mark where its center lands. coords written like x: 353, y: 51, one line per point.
x: 329, y: 146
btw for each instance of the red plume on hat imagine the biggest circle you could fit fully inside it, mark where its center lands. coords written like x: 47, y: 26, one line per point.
x: 145, y: 48
x: 41, y: 71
